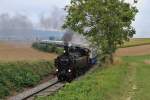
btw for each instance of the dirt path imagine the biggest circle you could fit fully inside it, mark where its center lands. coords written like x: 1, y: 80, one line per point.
x: 130, y: 83
x: 134, y: 51
x: 17, y: 52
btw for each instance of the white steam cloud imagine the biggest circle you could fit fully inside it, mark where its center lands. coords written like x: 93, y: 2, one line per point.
x: 12, y: 26
x: 54, y: 21
x: 21, y: 27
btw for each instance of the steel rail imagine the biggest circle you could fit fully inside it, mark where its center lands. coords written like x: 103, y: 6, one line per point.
x: 32, y: 92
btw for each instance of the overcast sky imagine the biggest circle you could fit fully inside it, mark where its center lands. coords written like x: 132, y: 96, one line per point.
x: 35, y: 8
x: 31, y: 8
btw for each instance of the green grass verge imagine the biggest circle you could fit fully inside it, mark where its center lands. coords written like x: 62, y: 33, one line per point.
x: 137, y: 42
x: 14, y: 76
x: 122, y: 81
x: 99, y: 85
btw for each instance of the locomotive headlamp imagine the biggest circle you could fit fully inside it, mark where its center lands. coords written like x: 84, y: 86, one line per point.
x: 69, y: 70
x: 56, y: 70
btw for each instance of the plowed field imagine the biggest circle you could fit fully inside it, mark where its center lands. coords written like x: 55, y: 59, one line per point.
x: 134, y: 51
x: 19, y: 52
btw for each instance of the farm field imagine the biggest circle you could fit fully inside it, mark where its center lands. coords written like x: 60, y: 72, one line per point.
x: 137, y: 42
x: 24, y: 52
x: 21, y: 52
x: 16, y: 76
x: 132, y: 51
x: 127, y: 79
x: 22, y: 67
x: 136, y: 46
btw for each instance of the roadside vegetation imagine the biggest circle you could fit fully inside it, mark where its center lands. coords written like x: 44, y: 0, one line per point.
x: 15, y: 76
x: 126, y: 79
x: 137, y: 42
x: 47, y: 48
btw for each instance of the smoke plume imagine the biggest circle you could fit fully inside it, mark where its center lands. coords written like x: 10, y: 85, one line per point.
x: 54, y: 21
x: 75, y: 38
x: 68, y: 36
x: 18, y: 26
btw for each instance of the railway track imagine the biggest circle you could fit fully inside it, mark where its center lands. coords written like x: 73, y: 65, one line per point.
x: 44, y: 89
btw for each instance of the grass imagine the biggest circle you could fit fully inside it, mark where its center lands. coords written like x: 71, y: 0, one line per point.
x: 14, y: 76
x: 126, y: 80
x: 137, y: 42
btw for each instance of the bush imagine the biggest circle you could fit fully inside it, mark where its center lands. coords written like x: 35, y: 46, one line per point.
x: 14, y: 76
x: 59, y: 51
x: 47, y: 48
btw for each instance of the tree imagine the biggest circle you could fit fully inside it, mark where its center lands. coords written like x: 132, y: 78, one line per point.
x: 105, y: 23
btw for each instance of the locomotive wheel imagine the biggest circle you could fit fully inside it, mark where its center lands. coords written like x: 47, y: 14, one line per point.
x: 71, y: 77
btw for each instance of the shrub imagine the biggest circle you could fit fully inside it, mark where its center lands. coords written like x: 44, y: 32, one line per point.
x: 47, y: 48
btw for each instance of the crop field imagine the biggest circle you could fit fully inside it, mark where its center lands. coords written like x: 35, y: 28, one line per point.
x: 137, y: 42
x: 22, y: 67
x: 21, y: 52
x: 135, y: 50
x: 24, y: 52
x: 15, y: 76
x: 127, y: 79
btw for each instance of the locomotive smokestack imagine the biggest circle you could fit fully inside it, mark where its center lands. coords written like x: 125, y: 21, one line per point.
x: 66, y: 48
x: 67, y: 38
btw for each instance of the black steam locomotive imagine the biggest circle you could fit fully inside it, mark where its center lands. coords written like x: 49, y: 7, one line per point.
x: 73, y: 62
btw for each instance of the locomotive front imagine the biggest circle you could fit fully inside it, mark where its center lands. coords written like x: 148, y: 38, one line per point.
x: 64, y: 66
x: 74, y: 62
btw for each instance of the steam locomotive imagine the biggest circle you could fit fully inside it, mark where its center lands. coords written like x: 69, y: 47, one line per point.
x: 75, y: 61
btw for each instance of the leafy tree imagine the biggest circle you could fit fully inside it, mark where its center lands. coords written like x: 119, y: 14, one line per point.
x: 106, y: 23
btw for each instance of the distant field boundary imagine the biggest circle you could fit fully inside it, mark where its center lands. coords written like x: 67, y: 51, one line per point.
x: 136, y: 42
x: 126, y: 46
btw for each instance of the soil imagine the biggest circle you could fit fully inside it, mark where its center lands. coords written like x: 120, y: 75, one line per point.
x: 134, y: 51
x: 19, y: 52
x: 147, y: 62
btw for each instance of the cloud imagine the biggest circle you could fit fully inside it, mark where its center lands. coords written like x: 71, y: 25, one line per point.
x: 53, y: 21
x: 32, y: 8
x: 35, y: 8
